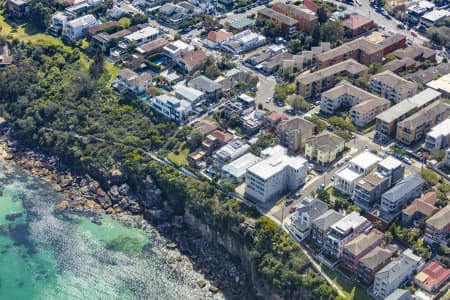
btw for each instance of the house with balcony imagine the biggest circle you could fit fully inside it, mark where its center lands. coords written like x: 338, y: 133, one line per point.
x: 420, y: 208
x: 391, y: 168
x: 371, y: 263
x: 405, y: 191
x: 171, y: 107
x: 211, y: 89
x: 358, y: 167
x: 128, y: 80
x: 392, y: 87
x: 140, y: 37
x: 397, y: 272
x: 437, y: 227
x: 215, y: 39
x: 19, y: 8
x: 192, y: 61
x: 244, y: 41
x: 322, y: 224
x: 359, y: 247
x: 432, y: 277
x: 307, y: 211
x: 343, y: 231
x: 77, y: 28
x: 438, y: 137
x: 368, y: 190
x: 176, y: 49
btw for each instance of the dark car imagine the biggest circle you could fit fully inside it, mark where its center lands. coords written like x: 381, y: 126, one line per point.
x: 401, y: 26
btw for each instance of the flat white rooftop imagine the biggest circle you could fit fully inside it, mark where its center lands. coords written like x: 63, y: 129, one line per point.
x: 238, y: 167
x: 348, y: 174
x: 442, y: 128
x: 142, y: 33
x: 365, y: 159
x: 352, y: 220
x: 390, y: 163
x: 275, y: 164
x: 442, y: 83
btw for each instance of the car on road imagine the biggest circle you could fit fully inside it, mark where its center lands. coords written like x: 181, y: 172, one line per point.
x: 348, y: 157
x: 407, y: 160
x: 401, y: 26
x: 298, y: 194
x: 268, y: 100
x: 358, y: 2
x: 340, y: 163
x: 292, y: 209
x: 289, y: 201
x: 317, y: 103
x: 333, y: 178
x: 413, y: 33
x: 322, y: 186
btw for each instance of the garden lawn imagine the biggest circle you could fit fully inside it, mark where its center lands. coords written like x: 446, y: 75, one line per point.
x: 350, y: 289
x: 29, y: 34
x: 179, y: 159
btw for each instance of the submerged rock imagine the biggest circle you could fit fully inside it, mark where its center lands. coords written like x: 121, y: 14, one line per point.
x: 171, y: 246
x: 201, y: 283
x: 213, y: 289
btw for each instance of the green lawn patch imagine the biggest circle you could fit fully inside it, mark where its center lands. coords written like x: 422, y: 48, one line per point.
x: 26, y: 33
x: 351, y: 289
x: 179, y: 155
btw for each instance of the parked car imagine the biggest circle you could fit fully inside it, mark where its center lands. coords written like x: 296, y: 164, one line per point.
x: 339, y: 163
x: 289, y: 201
x: 292, y: 209
x: 348, y: 157
x: 407, y: 160
x: 401, y: 26
x: 322, y: 186
x: 333, y: 178
x: 298, y: 194
x: 268, y: 100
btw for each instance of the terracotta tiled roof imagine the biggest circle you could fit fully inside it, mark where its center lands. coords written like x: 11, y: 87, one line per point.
x: 356, y: 21
x: 433, y: 275
x: 276, y: 117
x: 195, y: 58
x: 221, y: 136
x: 218, y: 36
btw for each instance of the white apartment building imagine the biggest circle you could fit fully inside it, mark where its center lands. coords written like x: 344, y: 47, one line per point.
x: 176, y: 49
x: 76, y: 29
x: 391, y: 86
x: 343, y: 231
x: 438, y: 137
x: 275, y: 174
x: 171, y: 107
x: 395, y: 273
x: 244, y: 41
x: 358, y: 167
x: 139, y: 37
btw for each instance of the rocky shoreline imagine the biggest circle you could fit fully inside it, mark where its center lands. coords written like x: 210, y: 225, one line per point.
x: 211, y: 270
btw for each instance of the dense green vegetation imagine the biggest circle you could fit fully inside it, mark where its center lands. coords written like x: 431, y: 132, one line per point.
x: 58, y: 101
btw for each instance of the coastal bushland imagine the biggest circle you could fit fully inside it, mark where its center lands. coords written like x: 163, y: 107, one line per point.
x: 61, y: 102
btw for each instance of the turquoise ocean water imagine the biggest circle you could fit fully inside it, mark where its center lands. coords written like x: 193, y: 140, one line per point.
x: 44, y: 256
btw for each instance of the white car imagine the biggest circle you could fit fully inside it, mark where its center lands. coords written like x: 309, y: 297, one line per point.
x: 268, y: 100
